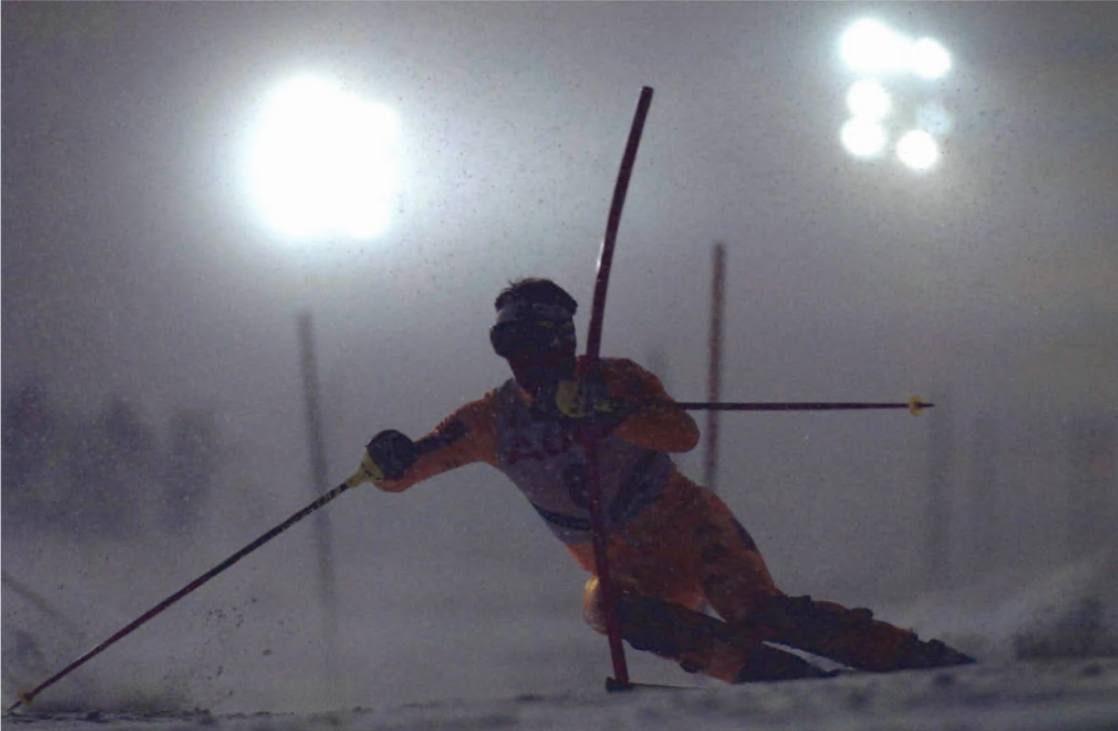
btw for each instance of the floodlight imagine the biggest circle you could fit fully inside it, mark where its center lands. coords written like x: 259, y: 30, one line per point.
x: 892, y: 93
x: 918, y: 150
x: 868, y: 99
x: 928, y: 59
x: 870, y: 47
x: 322, y: 163
x: 863, y: 137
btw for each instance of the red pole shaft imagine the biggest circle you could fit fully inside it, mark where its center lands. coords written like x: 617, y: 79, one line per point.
x: 605, y: 258
x: 593, y: 349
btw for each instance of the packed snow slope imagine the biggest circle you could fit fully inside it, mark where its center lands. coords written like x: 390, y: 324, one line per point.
x: 1072, y: 695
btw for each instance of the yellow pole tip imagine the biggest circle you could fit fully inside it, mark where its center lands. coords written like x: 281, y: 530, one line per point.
x: 915, y: 406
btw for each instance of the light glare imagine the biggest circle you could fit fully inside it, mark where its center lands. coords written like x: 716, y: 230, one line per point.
x: 863, y: 137
x: 929, y: 59
x: 918, y: 150
x: 870, y: 47
x: 868, y: 99
x: 323, y: 162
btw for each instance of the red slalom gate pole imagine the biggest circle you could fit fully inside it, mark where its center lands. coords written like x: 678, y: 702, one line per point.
x: 599, y: 531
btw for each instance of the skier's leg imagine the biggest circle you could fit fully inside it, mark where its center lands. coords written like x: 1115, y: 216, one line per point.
x: 850, y: 636
x: 668, y: 559
x: 727, y: 562
x: 738, y: 585
x: 699, y: 643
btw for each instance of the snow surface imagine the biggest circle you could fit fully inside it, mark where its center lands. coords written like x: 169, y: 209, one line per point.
x: 1080, y: 694
x: 1048, y: 651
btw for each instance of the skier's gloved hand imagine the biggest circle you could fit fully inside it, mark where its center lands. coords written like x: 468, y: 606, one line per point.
x: 587, y: 399
x: 388, y: 456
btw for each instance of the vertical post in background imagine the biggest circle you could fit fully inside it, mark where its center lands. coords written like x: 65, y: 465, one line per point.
x: 937, y: 517
x: 327, y: 585
x: 714, y: 364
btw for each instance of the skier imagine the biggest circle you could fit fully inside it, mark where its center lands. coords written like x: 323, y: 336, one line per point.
x: 672, y: 544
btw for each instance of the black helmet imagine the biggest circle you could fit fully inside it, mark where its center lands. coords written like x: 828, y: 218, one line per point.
x: 533, y: 314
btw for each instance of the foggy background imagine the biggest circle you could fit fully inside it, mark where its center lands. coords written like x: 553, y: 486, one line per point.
x: 153, y: 410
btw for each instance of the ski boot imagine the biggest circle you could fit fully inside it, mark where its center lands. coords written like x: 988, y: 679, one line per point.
x: 704, y: 644
x: 849, y: 636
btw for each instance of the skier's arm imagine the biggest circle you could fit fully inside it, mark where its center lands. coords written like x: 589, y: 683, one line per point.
x: 653, y: 422
x: 464, y: 437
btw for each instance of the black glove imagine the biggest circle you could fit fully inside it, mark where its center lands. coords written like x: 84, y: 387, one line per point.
x: 392, y: 454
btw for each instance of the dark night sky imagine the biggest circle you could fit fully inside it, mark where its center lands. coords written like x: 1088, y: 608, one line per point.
x: 133, y: 264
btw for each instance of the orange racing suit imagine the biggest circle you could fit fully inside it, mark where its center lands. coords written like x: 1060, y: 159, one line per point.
x: 672, y: 544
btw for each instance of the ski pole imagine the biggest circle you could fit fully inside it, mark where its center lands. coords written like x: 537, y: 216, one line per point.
x: 913, y: 405
x: 26, y: 697
x: 593, y: 349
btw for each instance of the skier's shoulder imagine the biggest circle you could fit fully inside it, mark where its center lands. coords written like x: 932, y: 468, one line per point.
x: 482, y: 409
x: 474, y: 422
x: 506, y: 392
x: 495, y: 401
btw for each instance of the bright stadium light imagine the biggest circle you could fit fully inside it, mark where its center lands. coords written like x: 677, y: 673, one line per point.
x: 863, y: 137
x: 894, y: 90
x: 322, y: 163
x: 868, y: 46
x: 928, y: 59
x: 918, y: 150
x: 868, y: 99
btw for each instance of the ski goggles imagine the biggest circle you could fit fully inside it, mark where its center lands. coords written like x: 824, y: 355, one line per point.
x: 516, y: 336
